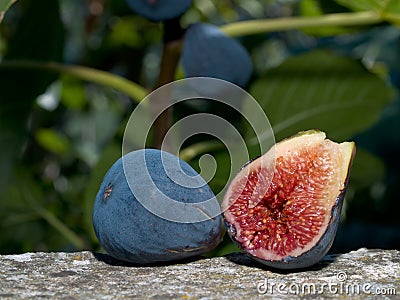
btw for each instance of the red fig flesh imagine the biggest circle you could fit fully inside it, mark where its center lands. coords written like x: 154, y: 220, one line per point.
x: 283, y: 208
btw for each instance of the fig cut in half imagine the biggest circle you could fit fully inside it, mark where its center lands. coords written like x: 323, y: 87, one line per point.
x: 283, y: 208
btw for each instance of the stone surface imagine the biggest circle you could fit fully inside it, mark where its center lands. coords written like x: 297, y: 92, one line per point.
x: 85, y: 275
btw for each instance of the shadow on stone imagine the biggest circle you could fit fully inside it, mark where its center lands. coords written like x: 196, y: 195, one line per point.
x: 109, y: 260
x: 116, y: 262
x: 244, y: 260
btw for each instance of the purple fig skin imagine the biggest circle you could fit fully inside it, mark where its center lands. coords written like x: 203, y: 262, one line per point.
x: 159, y: 10
x: 208, y: 52
x: 129, y: 232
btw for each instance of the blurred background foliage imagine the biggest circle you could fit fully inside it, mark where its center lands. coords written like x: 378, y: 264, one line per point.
x: 59, y: 134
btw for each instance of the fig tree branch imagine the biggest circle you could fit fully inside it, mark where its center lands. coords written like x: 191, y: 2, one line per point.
x: 280, y: 24
x: 133, y: 90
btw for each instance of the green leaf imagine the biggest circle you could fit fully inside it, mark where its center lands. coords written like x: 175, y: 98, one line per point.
x: 224, y: 248
x: 392, y: 12
x: 324, y: 91
x: 389, y: 9
x: 124, y: 32
x: 52, y: 141
x: 73, y: 93
x: 360, y: 5
x: 37, y: 35
x: 4, y: 5
x: 32, y: 195
x: 25, y: 208
x: 312, y: 8
x: 367, y: 169
x: 33, y: 39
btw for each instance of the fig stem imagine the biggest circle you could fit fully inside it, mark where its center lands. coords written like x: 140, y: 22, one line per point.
x: 249, y: 27
x: 173, y: 33
x: 168, y: 67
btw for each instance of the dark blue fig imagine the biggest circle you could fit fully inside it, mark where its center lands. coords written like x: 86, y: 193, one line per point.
x: 185, y: 218
x: 208, y: 52
x: 283, y: 209
x: 159, y: 10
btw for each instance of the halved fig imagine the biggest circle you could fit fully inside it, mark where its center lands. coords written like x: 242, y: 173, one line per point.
x: 283, y: 209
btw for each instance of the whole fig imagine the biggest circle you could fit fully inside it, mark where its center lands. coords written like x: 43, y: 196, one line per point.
x: 126, y: 228
x: 159, y: 10
x: 208, y: 52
